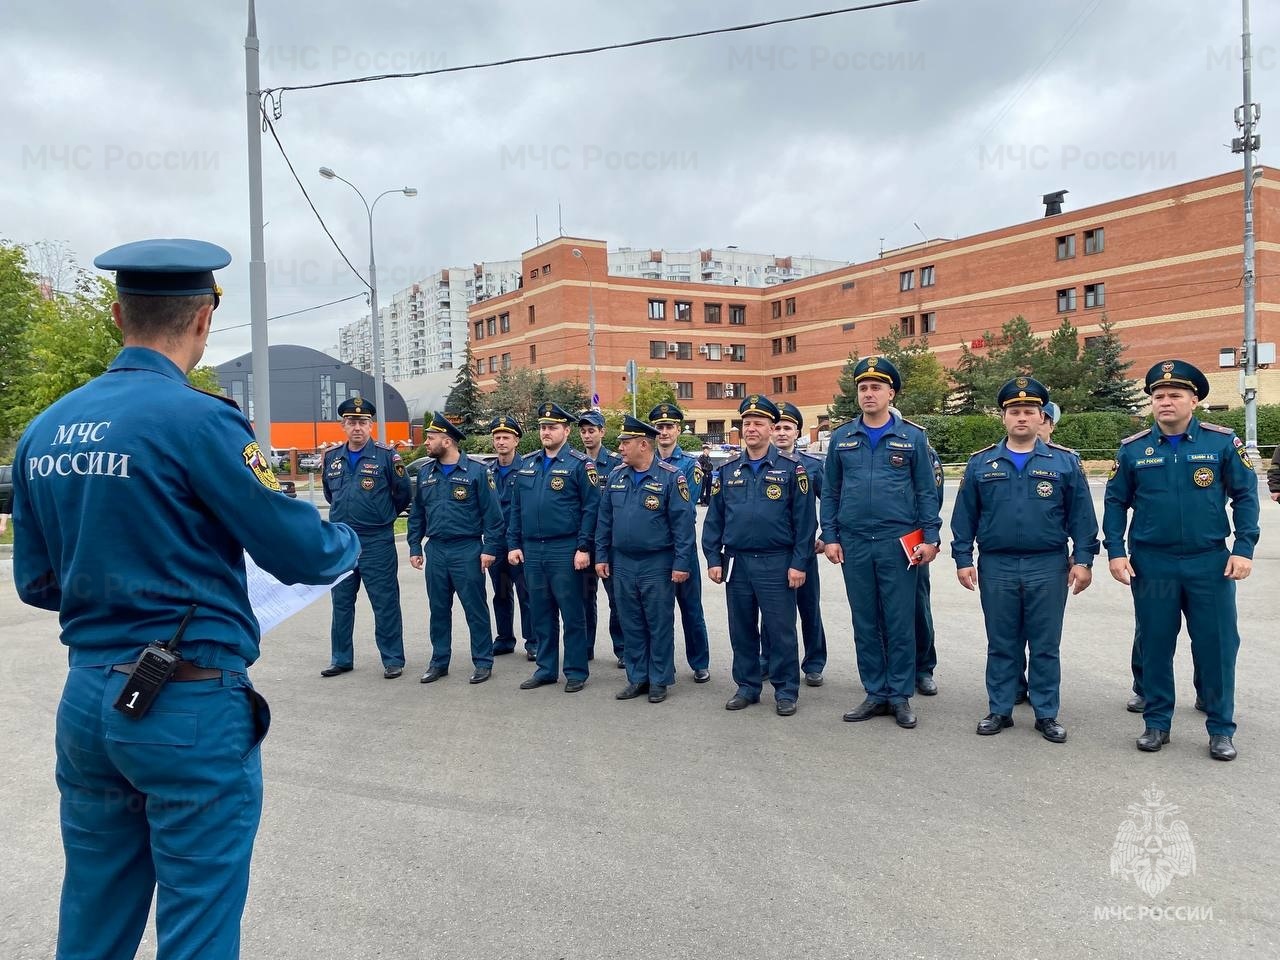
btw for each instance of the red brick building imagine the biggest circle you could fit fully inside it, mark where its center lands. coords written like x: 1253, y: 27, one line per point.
x: 1164, y: 266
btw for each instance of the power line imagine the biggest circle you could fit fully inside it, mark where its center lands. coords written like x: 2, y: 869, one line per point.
x: 292, y: 313
x: 275, y: 93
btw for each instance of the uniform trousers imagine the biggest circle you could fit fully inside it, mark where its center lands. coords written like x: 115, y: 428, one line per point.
x: 378, y: 569
x: 882, y: 595
x: 555, y: 595
x: 453, y: 567
x: 508, y: 590
x: 646, y: 599
x: 759, y: 598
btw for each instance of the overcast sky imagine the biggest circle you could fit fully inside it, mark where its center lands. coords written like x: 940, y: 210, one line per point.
x: 127, y: 120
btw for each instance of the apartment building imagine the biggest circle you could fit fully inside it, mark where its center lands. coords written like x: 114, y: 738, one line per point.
x: 1164, y: 267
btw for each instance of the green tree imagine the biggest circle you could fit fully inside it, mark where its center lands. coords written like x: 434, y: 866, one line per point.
x: 924, y: 381
x: 844, y: 405
x: 652, y: 388
x: 1112, y: 388
x: 1017, y: 353
x: 205, y: 378
x: 20, y: 305
x: 466, y: 399
x: 972, y: 378
x: 521, y: 391
x: 1063, y: 369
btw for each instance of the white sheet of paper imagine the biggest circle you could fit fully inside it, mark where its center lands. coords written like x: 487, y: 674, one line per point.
x: 274, y: 602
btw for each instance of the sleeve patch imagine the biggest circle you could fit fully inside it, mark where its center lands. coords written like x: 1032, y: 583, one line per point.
x: 255, y: 461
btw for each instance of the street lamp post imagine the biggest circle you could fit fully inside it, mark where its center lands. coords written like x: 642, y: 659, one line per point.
x: 375, y: 322
x: 591, y: 326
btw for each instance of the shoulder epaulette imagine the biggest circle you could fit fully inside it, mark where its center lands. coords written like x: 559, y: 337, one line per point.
x: 384, y: 445
x: 789, y: 456
x: 1216, y: 427
x: 1137, y: 436
x: 1058, y: 446
x: 913, y: 423
x: 983, y: 450
x: 578, y: 454
x: 663, y: 465
x: 216, y: 396
x: 530, y: 457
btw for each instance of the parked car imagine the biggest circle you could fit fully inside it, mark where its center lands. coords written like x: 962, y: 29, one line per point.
x: 310, y: 461
x: 288, y: 488
x: 6, y: 488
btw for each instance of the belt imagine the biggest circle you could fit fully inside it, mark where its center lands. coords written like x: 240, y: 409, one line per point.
x: 184, y: 671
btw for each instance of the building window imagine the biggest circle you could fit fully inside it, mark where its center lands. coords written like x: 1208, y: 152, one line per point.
x: 776, y: 307
x: 907, y: 280
x: 776, y: 345
x: 711, y: 312
x: 737, y: 315
x: 491, y: 326
x: 928, y: 323
x: 237, y: 393
x: 533, y: 354
x: 1066, y: 246
x: 480, y: 366
x: 326, y: 396
x: 1095, y: 295
x: 684, y: 389
x: 738, y: 352
x: 657, y: 349
x: 791, y: 306
x: 777, y: 384
x: 479, y: 328
x: 789, y: 344
x: 531, y: 314
x: 506, y: 361
x: 791, y: 383
x: 1091, y: 342
x: 1093, y: 241
x: 493, y: 364
x: 546, y: 269
x: 684, y: 350
x: 739, y: 389
x: 715, y: 427
x: 907, y: 326
x: 927, y: 276
x: 657, y: 309
x: 504, y: 322
x: 533, y: 274
x: 715, y: 390
x: 712, y: 351
x: 1067, y: 300
x: 684, y: 310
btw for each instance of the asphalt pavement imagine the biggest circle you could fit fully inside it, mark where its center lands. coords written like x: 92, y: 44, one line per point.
x: 459, y: 821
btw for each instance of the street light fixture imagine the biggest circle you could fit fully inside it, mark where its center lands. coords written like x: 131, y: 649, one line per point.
x: 375, y: 325
x: 591, y: 327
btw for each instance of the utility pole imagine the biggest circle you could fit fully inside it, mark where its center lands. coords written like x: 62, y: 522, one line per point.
x: 257, y: 253
x: 1247, y: 117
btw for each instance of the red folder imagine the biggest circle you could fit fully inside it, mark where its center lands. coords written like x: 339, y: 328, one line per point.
x: 909, y: 544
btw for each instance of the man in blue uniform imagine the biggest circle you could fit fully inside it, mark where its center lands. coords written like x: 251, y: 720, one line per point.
x: 809, y: 596
x: 645, y: 547
x: 591, y: 429
x: 1177, y: 479
x: 456, y: 509
x: 879, y: 487
x: 508, y: 581
x: 668, y: 419
x: 1020, y: 500
x: 552, y: 529
x: 135, y: 499
x: 366, y: 488
x: 757, y: 538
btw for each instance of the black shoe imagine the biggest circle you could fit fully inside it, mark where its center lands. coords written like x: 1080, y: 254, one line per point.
x: 786, y: 708
x: 764, y: 676
x: 701, y: 676
x: 631, y: 691
x: 657, y: 694
x: 503, y: 650
x: 1052, y: 730
x: 390, y: 673
x: 993, y: 723
x: 573, y: 686
x: 1221, y: 747
x: 334, y: 671
x: 434, y: 674
x: 866, y: 710
x: 536, y: 681
x: 1020, y: 697
x: 1152, y: 740
x: 1137, y: 704
x: 903, y: 715
x: 481, y: 675
x: 813, y: 679
x: 530, y: 655
x: 621, y: 665
x: 926, y: 686
x: 738, y: 702
x: 1200, y: 705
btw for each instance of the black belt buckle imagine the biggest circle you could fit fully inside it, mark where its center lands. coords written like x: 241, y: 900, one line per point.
x: 152, y: 671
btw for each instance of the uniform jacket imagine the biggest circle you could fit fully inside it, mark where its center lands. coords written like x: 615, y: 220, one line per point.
x: 1179, y: 498
x: 647, y: 513
x: 767, y: 512
x: 554, y: 500
x: 137, y: 495
x: 370, y: 497
x: 691, y: 469
x: 1034, y: 511
x: 461, y: 505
